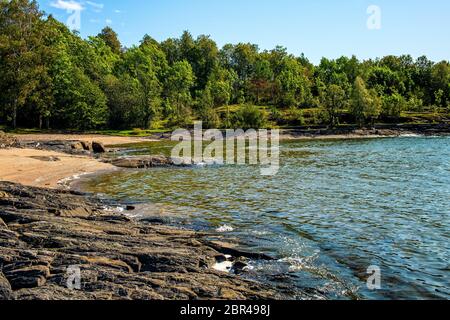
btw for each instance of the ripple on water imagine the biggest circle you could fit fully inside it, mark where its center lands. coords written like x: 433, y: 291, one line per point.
x: 335, y: 208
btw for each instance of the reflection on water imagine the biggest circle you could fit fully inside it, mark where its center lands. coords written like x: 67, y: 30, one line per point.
x: 334, y: 209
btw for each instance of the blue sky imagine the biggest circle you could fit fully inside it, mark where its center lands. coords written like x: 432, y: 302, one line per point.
x: 318, y: 28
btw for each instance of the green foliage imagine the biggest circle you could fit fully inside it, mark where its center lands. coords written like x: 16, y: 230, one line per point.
x: 22, y: 54
x: 334, y: 100
x: 249, y: 117
x: 292, y: 83
x: 109, y: 36
x: 85, y: 103
x: 385, y: 81
x: 51, y: 77
x: 124, y: 98
x: 179, y: 81
x: 393, y: 106
x: 415, y: 104
x: 295, y: 117
x: 365, y: 104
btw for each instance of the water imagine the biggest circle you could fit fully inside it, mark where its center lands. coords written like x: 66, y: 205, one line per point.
x: 334, y: 209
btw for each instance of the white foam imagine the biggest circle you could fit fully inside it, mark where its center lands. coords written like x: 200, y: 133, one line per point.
x: 65, y: 183
x: 225, y: 228
x: 223, y: 266
x: 411, y: 135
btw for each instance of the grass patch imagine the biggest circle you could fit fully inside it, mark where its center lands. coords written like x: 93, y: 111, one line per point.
x: 130, y: 133
x: 422, y: 117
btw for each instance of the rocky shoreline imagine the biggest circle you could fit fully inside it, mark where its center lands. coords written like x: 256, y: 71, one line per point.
x: 44, y: 233
x: 354, y: 132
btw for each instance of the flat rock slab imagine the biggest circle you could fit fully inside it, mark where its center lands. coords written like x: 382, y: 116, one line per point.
x: 48, y: 238
x: 141, y: 162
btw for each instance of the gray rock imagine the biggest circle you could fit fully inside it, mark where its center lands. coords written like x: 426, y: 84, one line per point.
x: 142, y: 162
x: 43, y: 232
x: 6, y: 292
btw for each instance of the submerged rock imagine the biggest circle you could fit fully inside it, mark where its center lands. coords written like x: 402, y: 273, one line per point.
x: 45, y: 235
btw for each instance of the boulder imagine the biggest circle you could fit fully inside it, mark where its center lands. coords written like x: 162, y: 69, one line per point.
x: 5, y: 288
x: 87, y: 146
x: 240, y: 265
x: 98, y: 147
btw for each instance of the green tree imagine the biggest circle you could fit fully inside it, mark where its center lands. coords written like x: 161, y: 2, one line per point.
x: 124, y: 99
x: 139, y: 64
x: 393, y: 106
x: 206, y: 111
x: 179, y: 81
x: 103, y: 56
x: 22, y: 35
x: 220, y: 84
x: 440, y: 80
x: 75, y: 72
x: 334, y: 100
x: 110, y: 37
x: 365, y: 104
x: 250, y: 117
x: 262, y: 82
x: 385, y: 81
x: 293, y: 85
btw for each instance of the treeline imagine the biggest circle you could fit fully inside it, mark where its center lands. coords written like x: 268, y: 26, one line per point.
x: 52, y: 78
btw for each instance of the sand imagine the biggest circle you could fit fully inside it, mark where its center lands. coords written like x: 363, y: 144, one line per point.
x: 106, y: 140
x: 31, y: 167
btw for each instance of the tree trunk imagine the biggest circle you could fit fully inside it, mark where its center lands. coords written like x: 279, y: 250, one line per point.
x: 47, y: 123
x: 15, y: 116
x: 40, y: 121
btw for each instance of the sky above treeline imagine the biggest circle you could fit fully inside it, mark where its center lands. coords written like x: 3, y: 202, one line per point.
x: 317, y: 28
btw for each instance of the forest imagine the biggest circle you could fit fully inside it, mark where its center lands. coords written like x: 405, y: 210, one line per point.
x: 50, y: 77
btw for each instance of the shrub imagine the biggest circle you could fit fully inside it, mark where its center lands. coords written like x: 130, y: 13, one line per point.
x: 393, y: 106
x: 250, y: 117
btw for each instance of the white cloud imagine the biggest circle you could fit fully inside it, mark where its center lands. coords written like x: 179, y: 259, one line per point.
x: 67, y: 5
x: 97, y: 6
x: 117, y: 11
x: 109, y: 21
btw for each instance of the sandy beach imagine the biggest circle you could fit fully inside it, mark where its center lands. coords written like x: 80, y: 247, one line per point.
x: 106, y: 140
x: 40, y: 168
